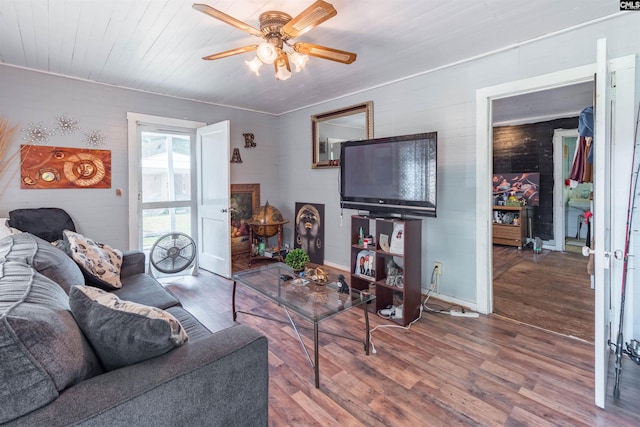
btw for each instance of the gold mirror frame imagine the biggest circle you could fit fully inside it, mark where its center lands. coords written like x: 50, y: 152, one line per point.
x: 330, y: 129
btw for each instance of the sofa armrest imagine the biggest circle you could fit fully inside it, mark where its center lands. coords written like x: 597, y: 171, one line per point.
x: 133, y: 262
x: 221, y: 379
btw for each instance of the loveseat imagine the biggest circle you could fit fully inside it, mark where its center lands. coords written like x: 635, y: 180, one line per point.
x: 52, y: 372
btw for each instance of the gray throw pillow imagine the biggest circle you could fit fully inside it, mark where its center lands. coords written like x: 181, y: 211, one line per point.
x: 122, y: 332
x: 47, y: 259
x: 42, y: 350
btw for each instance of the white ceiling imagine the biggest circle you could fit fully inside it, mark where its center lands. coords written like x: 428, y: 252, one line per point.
x: 157, y: 45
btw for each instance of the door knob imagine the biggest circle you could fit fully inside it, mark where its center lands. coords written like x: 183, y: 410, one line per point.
x: 586, y: 251
x: 224, y: 210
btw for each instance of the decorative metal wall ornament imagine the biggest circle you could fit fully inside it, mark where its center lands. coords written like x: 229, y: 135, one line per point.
x: 36, y: 133
x: 94, y: 138
x: 248, y: 140
x: 66, y: 125
x: 235, y: 157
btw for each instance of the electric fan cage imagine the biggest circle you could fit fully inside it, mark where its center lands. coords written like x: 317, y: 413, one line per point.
x: 173, y: 253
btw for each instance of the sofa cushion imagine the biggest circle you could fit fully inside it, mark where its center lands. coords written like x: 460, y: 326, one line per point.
x: 123, y: 332
x: 99, y: 262
x: 144, y: 289
x: 42, y: 350
x: 44, y: 257
x: 194, y: 329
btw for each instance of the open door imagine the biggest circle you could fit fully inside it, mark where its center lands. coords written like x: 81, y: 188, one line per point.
x: 601, y: 219
x: 614, y: 115
x: 212, y: 148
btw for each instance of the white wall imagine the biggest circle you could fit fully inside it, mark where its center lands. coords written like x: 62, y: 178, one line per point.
x: 439, y: 100
x: 27, y: 96
x: 443, y: 101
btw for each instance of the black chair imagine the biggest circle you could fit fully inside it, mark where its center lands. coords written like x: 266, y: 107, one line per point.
x: 46, y: 223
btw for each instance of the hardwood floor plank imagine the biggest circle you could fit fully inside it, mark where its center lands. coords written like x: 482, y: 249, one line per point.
x: 521, y: 417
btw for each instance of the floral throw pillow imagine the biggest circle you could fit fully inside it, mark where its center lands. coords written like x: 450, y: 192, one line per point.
x: 99, y: 262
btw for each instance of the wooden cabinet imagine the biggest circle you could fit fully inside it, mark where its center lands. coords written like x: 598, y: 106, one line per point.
x: 510, y: 225
x: 369, y: 264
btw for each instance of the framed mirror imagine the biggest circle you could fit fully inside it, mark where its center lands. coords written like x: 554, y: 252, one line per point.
x: 329, y: 130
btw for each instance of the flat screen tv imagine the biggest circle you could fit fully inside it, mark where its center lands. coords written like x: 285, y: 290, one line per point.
x: 393, y: 175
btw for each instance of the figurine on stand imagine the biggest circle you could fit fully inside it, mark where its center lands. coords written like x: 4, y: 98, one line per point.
x: 343, y: 288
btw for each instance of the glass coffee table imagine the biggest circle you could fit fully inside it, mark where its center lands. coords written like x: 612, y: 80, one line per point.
x: 312, y: 300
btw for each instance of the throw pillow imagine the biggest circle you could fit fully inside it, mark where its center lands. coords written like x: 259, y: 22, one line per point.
x: 100, y: 263
x: 46, y: 223
x: 44, y: 257
x: 123, y: 332
x: 42, y: 349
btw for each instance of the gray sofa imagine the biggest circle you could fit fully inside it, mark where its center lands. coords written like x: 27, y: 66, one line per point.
x: 216, y: 378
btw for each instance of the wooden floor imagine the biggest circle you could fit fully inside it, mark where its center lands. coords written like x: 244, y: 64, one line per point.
x: 442, y: 371
x: 551, y: 290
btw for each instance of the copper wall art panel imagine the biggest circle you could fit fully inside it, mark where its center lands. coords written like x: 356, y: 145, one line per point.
x: 64, y: 167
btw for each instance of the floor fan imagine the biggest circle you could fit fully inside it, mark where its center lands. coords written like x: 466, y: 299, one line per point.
x: 172, y: 254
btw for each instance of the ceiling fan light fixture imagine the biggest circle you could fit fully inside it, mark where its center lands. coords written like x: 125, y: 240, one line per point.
x: 276, y: 30
x: 254, y: 65
x: 283, y: 70
x: 267, y: 53
x: 299, y: 60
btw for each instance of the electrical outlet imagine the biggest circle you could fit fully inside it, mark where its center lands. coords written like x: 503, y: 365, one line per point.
x: 437, y: 266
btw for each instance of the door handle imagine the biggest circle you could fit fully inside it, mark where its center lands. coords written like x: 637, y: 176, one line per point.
x: 586, y: 251
x: 224, y: 210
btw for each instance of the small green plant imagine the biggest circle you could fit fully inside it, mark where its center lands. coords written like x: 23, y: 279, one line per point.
x: 297, y: 259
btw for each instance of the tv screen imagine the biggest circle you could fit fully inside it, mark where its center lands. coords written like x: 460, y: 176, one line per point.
x: 390, y: 175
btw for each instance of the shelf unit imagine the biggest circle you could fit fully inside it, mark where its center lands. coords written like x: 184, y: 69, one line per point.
x: 511, y: 234
x: 410, y: 258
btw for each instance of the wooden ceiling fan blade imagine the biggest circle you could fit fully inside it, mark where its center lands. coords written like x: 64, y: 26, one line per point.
x: 215, y: 13
x: 309, y: 18
x: 325, y: 52
x: 231, y: 52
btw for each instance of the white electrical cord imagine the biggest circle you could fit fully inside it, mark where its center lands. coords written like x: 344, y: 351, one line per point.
x: 373, y: 347
x: 422, y: 308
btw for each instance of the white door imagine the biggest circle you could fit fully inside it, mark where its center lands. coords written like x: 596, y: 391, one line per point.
x: 614, y: 125
x: 212, y: 148
x: 601, y: 219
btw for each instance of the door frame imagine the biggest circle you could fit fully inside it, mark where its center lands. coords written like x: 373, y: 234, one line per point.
x: 133, y: 151
x: 558, y: 193
x: 484, y: 161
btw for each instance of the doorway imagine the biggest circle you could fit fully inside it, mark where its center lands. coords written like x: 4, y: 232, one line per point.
x: 161, y: 152
x: 534, y: 283
x: 167, y: 191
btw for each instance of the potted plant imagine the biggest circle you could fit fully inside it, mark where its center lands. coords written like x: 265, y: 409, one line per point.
x: 297, y: 259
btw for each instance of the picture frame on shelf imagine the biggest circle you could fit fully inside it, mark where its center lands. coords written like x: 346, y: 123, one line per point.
x: 244, y: 203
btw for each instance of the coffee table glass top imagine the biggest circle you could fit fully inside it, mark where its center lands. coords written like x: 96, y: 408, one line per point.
x: 312, y: 300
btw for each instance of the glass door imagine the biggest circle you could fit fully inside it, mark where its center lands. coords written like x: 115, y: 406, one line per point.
x: 167, y: 184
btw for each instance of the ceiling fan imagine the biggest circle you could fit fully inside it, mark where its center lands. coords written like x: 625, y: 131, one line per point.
x: 277, y: 29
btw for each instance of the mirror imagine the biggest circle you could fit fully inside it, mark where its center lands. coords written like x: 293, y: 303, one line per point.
x: 329, y: 130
